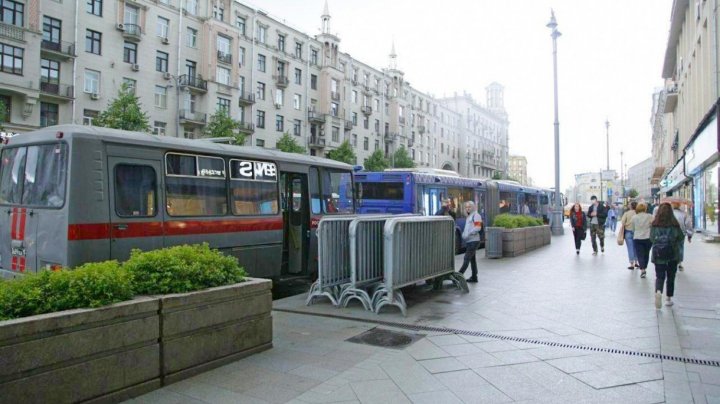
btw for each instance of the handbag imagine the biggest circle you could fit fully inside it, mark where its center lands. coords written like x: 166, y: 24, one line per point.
x: 621, y: 235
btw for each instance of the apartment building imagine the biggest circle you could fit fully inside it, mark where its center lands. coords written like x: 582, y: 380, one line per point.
x: 601, y: 184
x: 686, y: 146
x: 639, y: 178
x: 62, y: 65
x: 517, y: 169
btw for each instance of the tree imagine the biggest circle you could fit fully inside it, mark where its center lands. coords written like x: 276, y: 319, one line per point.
x: 222, y: 125
x: 497, y: 175
x: 124, y: 112
x: 3, y: 112
x: 632, y: 193
x: 288, y: 144
x: 402, y: 159
x: 376, y: 161
x: 343, y: 153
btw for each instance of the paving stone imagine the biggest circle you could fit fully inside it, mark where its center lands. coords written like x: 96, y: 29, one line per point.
x: 573, y: 364
x: 434, y: 397
x: 379, y: 391
x: 443, y: 365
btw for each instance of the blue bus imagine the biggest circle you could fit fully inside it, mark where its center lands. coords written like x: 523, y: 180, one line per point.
x: 421, y: 191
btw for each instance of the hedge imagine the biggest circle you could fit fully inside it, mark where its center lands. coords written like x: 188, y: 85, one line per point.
x: 510, y: 221
x: 171, y: 270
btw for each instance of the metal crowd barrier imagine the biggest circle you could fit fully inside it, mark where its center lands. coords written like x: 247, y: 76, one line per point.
x: 333, y: 258
x: 366, y: 259
x: 416, y: 249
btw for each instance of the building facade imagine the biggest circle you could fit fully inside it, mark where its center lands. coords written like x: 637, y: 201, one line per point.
x: 62, y: 65
x: 603, y: 185
x: 517, y: 169
x: 686, y: 145
x: 639, y: 178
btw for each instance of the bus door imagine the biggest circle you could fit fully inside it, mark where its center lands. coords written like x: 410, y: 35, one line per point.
x: 136, y: 213
x: 296, y: 218
x: 433, y: 200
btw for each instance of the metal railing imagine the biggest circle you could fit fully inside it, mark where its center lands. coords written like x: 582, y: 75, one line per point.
x: 62, y: 90
x: 193, y: 81
x: 333, y: 258
x: 316, y: 141
x: 416, y: 249
x: 366, y: 110
x: 62, y: 47
x: 224, y: 57
x: 132, y: 31
x: 188, y: 115
x: 12, y: 31
x: 246, y: 98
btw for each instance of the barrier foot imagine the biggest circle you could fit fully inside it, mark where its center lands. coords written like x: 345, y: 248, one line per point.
x: 459, y: 280
x: 355, y: 293
x: 396, y: 298
x: 316, y: 291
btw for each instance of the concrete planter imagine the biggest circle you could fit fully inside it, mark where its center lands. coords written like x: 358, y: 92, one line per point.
x: 127, y: 349
x: 521, y: 240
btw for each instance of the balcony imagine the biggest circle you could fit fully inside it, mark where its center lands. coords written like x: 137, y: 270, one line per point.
x: 335, y: 96
x: 421, y: 129
x: 316, y: 117
x: 188, y: 117
x: 132, y: 32
x: 56, y: 90
x: 223, y: 57
x: 317, y: 142
x: 194, y: 83
x: 65, y: 50
x: 401, y: 119
x: 671, y: 99
x: 246, y: 98
x: 281, y: 81
x: 246, y: 128
x: 366, y: 110
x: 348, y: 125
x: 12, y: 32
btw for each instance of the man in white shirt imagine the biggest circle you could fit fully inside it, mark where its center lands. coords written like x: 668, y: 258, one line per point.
x: 471, y: 236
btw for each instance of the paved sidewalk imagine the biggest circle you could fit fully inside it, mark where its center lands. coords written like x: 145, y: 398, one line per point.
x: 545, y: 327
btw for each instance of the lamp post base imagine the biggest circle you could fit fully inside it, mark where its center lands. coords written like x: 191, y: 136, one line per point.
x: 556, y: 224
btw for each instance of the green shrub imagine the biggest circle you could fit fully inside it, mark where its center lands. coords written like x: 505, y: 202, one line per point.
x: 182, y: 269
x: 510, y: 221
x: 90, y: 285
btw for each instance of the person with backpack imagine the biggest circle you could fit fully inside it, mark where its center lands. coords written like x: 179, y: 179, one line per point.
x: 667, y: 237
x: 686, y: 226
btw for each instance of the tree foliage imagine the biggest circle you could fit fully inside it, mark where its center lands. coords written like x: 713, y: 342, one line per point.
x: 633, y: 193
x: 497, y: 175
x: 124, y: 112
x: 288, y: 144
x: 3, y: 112
x: 376, y: 161
x: 402, y: 159
x: 343, y: 153
x: 222, y: 125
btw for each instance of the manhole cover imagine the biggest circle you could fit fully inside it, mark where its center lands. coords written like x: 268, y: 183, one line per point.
x: 385, y: 338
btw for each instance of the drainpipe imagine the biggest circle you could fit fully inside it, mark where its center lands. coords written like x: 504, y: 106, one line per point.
x: 253, y: 85
x: 307, y: 96
x: 74, y: 69
x: 177, y: 75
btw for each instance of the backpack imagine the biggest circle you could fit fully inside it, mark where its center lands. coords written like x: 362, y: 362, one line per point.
x: 662, y: 249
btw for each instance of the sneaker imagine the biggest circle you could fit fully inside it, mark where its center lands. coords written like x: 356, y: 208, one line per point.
x: 669, y: 302
x: 637, y: 265
x: 643, y: 273
x: 602, y: 250
x: 681, y: 268
x: 471, y: 280
x: 594, y: 252
x: 631, y: 267
x: 658, y: 299
x: 577, y: 252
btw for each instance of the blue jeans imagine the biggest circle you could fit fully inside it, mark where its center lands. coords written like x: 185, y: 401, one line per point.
x: 630, y: 244
x: 642, y: 250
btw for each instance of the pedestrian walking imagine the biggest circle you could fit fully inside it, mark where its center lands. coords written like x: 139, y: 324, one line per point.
x: 612, y: 218
x: 597, y: 214
x: 667, y: 238
x: 471, y: 236
x: 627, y: 228
x: 686, y: 226
x: 578, y: 222
x: 641, y: 223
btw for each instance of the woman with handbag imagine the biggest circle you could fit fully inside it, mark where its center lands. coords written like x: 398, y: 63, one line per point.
x: 578, y: 222
x: 628, y: 231
x: 641, y: 224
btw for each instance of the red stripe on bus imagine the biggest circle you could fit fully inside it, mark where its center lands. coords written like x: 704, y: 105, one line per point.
x: 14, y: 263
x: 22, y: 264
x: 97, y: 231
x: 23, y: 217
x: 13, y: 228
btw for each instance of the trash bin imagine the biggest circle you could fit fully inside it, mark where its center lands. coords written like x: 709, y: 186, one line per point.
x: 494, y: 242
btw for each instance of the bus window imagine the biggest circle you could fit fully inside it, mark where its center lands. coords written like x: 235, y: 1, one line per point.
x: 195, y: 185
x: 34, y: 175
x: 333, y: 185
x: 381, y: 190
x: 313, y: 181
x: 135, y: 191
x: 253, y: 187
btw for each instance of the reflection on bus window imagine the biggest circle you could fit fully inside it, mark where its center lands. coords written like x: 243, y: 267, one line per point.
x: 296, y: 195
x: 191, y: 192
x: 253, y: 197
x: 135, y: 190
x: 313, y: 183
x: 381, y: 190
x: 34, y: 175
x: 336, y: 187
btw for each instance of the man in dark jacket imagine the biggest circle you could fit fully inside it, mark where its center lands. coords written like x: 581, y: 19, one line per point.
x: 597, y: 214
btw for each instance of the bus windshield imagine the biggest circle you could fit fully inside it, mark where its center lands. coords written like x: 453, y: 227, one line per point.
x: 34, y: 175
x: 381, y: 190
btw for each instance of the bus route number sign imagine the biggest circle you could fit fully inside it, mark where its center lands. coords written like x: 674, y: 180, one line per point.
x: 254, y: 170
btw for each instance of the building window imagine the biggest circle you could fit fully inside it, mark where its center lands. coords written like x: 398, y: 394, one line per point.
x: 261, y: 63
x: 93, y: 42
x: 223, y: 45
x: 335, y: 134
x: 191, y: 37
x: 261, y: 33
x: 89, y: 116
x: 377, y: 144
x: 48, y: 114
x: 241, y: 56
x: 161, y: 97
x: 161, y: 61
x: 12, y: 59
x: 49, y: 74
x: 52, y: 31
x: 132, y: 16
x: 92, y: 82
x: 377, y: 126
x: 12, y: 12
x: 222, y: 75
x: 223, y: 104
x: 159, y: 128
x: 354, y: 96
x: 298, y: 76
x: 94, y: 7
x: 354, y: 140
x: 279, y: 123
x: 259, y: 142
x: 240, y: 24
x: 163, y: 25
x: 130, y: 53
x: 298, y: 50
x: 334, y: 108
x: 296, y: 127
x: 281, y: 43
x: 314, y: 56
x: 260, y: 91
x: 366, y: 123
x: 260, y: 119
x: 279, y: 97
x: 130, y: 85
x: 313, y: 82
x: 218, y: 12
x: 354, y: 119
x: 366, y: 143
x: 297, y: 99
x: 191, y: 6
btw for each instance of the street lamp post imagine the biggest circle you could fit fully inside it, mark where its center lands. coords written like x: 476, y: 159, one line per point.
x: 557, y: 219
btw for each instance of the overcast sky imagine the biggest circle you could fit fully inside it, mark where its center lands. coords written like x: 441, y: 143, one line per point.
x: 610, y: 58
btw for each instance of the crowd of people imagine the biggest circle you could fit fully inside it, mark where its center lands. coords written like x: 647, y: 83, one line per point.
x: 652, y: 234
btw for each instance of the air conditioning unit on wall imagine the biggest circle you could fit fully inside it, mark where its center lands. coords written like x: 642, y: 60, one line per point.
x: 136, y: 67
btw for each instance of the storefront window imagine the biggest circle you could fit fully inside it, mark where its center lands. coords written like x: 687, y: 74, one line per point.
x: 708, y: 212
